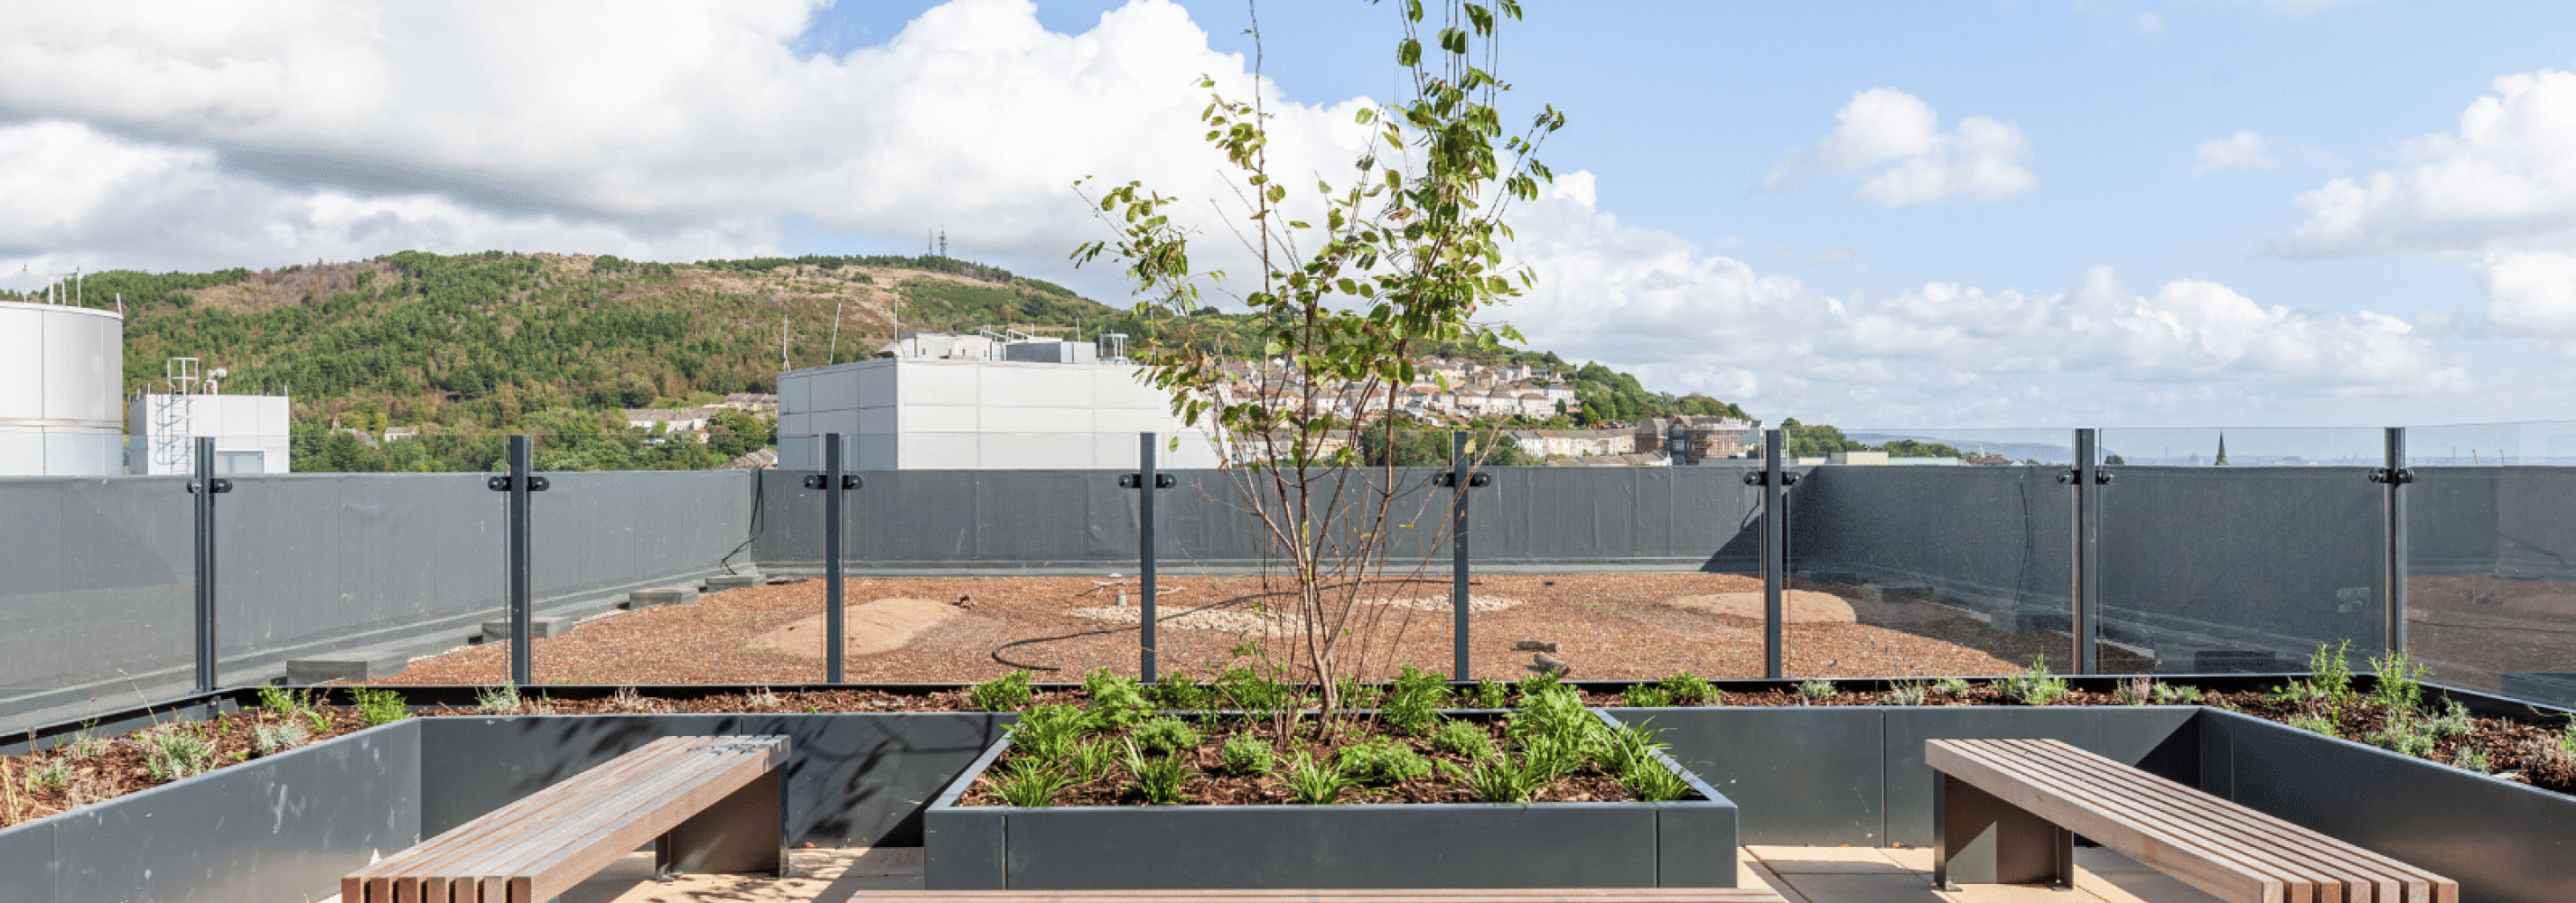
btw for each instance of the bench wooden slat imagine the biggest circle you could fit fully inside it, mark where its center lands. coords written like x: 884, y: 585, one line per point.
x: 1343, y: 895
x: 2194, y: 836
x: 2221, y: 847
x: 2222, y: 877
x: 452, y: 873
x: 377, y: 878
x: 572, y: 862
x: 2203, y: 831
x: 540, y: 845
x: 2360, y: 874
x: 609, y: 826
x: 2363, y: 875
x: 2310, y: 866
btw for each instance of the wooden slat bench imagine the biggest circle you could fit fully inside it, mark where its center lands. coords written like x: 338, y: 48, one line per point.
x: 1342, y: 895
x: 2006, y: 811
x: 710, y: 804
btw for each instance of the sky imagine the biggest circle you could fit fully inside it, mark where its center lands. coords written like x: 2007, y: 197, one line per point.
x: 2009, y: 214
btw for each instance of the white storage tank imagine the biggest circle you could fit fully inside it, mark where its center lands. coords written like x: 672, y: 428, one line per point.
x: 60, y: 367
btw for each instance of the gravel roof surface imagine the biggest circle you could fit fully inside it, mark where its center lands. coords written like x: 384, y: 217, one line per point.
x: 1606, y: 626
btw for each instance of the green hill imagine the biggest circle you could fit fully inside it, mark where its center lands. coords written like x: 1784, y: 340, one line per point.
x: 478, y: 345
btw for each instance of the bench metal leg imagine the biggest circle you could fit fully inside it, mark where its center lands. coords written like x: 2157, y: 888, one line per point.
x: 744, y: 833
x: 1979, y: 839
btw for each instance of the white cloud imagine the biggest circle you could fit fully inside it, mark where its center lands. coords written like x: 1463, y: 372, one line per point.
x: 171, y: 207
x: 2150, y: 23
x: 2507, y: 176
x: 593, y: 128
x: 1945, y: 353
x: 1895, y: 140
x: 2533, y: 294
x: 2243, y: 149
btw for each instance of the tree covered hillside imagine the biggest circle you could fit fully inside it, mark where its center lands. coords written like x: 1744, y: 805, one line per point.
x: 488, y: 342
x: 475, y: 345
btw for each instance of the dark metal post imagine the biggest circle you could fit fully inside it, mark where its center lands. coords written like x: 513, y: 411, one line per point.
x: 204, y: 485
x: 1459, y: 482
x: 521, y: 481
x: 2393, y: 480
x: 835, y: 627
x: 1146, y: 482
x: 835, y: 652
x: 1775, y: 550
x: 2088, y: 552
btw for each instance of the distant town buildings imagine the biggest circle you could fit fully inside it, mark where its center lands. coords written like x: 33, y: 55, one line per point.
x: 1444, y: 390
x: 1690, y: 439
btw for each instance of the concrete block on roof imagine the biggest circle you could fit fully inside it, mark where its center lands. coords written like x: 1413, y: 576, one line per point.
x: 720, y: 582
x: 351, y: 668
x: 538, y: 628
x: 662, y: 595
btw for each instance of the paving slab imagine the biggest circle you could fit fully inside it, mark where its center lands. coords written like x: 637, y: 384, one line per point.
x: 2014, y: 893
x: 1826, y: 860
x: 1889, y: 887
x: 2103, y: 861
x: 2140, y: 887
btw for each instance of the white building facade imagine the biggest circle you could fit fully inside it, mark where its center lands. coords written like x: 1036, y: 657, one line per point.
x: 250, y: 433
x: 952, y: 403
x: 60, y: 367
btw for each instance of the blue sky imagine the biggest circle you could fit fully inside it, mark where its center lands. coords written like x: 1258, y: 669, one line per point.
x: 2002, y: 214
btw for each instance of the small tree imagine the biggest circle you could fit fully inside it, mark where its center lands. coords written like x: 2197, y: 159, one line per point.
x: 1408, y: 250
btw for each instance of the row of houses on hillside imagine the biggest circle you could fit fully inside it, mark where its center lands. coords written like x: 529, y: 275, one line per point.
x: 1443, y: 390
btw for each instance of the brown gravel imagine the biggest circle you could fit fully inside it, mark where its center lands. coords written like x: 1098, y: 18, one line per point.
x: 1607, y: 626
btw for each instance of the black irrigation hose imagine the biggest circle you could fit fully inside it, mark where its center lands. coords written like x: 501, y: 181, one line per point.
x: 996, y: 654
x: 997, y: 650
x: 759, y: 486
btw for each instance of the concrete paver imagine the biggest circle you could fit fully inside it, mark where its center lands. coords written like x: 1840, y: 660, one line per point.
x: 1826, y: 860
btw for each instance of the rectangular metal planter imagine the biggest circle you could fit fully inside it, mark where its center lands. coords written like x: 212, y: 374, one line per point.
x: 856, y: 779
x: 2504, y: 842
x: 284, y: 827
x: 1831, y: 775
x: 1676, y: 844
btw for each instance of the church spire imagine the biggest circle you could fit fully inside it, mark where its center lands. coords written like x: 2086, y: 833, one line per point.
x: 2222, y: 451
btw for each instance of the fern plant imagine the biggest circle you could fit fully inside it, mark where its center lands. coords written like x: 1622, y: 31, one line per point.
x: 379, y: 706
x: 1166, y: 736
x: 1414, y: 702
x: 1382, y: 762
x: 1646, y: 696
x: 1462, y: 739
x: 1006, y: 693
x: 1245, y: 754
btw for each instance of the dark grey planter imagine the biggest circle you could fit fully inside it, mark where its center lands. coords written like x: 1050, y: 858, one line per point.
x: 2504, y: 842
x: 1831, y: 775
x: 285, y: 827
x: 855, y: 779
x: 1675, y: 844
x: 288, y: 826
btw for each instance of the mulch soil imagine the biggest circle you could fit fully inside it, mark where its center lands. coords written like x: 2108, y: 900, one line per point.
x: 1606, y: 626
